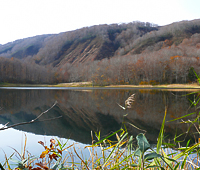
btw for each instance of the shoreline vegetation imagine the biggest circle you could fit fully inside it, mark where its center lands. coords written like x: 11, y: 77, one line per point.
x: 89, y: 84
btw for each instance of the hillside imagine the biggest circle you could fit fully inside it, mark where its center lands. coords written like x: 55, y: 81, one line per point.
x: 86, y: 44
x: 83, y: 54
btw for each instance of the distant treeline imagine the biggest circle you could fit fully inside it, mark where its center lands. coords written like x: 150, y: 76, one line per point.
x: 133, y: 53
x: 15, y: 71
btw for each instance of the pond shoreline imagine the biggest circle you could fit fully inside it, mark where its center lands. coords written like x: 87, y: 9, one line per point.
x: 89, y: 85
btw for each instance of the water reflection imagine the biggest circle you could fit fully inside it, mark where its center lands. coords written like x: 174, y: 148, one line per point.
x: 89, y: 110
x: 14, y: 140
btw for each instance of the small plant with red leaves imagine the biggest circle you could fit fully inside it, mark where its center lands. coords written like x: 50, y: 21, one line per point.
x: 51, y: 155
x: 51, y: 158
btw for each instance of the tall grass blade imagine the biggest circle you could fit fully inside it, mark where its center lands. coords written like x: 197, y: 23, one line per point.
x: 160, y: 137
x: 186, y: 151
x: 106, y: 137
x: 184, y: 161
x: 137, y: 127
x: 167, y: 160
x: 159, y: 142
x: 24, y: 151
x: 7, y: 159
x: 81, y: 159
x: 130, y: 145
x: 108, y: 158
x: 196, y: 75
x: 182, y: 117
x: 126, y: 158
x: 1, y: 167
x: 177, y: 165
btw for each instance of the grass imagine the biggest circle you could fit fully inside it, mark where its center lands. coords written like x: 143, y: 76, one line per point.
x: 89, y: 84
x: 173, y: 86
x: 119, y: 154
x: 21, y: 85
x: 73, y: 84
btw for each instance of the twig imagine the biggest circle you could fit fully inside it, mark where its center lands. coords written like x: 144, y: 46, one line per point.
x: 49, y: 119
x: 44, y: 112
x: 190, y: 162
x: 81, y: 159
x: 24, y: 123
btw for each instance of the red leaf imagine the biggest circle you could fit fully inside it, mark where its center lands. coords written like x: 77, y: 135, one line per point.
x: 59, y: 151
x: 40, y: 142
x: 53, y: 141
x: 55, y: 156
x: 42, y: 165
x: 37, y: 168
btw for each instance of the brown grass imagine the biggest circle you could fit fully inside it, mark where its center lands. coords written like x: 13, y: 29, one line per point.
x: 73, y: 84
x: 176, y: 87
x: 194, y: 85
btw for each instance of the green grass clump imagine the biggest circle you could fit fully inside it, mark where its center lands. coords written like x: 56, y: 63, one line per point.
x: 119, y: 154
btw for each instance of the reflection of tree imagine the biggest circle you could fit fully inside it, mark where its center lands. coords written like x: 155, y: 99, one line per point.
x: 13, y: 101
x: 83, y: 111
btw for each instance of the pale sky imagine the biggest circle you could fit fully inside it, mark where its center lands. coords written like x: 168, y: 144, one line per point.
x: 26, y: 18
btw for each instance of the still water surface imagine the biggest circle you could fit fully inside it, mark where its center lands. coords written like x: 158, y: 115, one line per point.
x: 84, y: 110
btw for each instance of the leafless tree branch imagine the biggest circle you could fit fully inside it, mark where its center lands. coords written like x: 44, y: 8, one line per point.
x: 32, y: 121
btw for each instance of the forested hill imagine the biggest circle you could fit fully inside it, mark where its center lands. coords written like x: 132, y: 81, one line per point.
x: 86, y: 44
x: 132, y: 53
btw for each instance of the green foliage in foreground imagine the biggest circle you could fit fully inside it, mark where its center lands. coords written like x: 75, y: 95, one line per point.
x: 119, y: 154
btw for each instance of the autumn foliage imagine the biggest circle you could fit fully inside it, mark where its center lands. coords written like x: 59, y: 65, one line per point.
x: 133, y: 53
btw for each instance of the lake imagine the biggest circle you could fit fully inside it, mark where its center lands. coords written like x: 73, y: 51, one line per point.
x: 86, y: 109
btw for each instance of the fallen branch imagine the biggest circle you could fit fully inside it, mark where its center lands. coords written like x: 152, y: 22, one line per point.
x: 32, y: 121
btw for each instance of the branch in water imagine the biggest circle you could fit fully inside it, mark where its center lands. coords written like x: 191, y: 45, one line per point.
x: 32, y: 121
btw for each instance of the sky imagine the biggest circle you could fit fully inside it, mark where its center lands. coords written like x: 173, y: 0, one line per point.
x: 26, y: 18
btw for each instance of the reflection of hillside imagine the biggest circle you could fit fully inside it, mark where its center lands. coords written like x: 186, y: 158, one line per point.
x: 147, y: 111
x: 95, y: 110
x: 13, y: 101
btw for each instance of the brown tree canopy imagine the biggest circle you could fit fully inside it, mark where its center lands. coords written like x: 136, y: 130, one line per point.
x: 136, y: 52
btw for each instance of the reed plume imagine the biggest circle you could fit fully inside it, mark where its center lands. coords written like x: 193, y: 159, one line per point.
x: 128, y: 102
